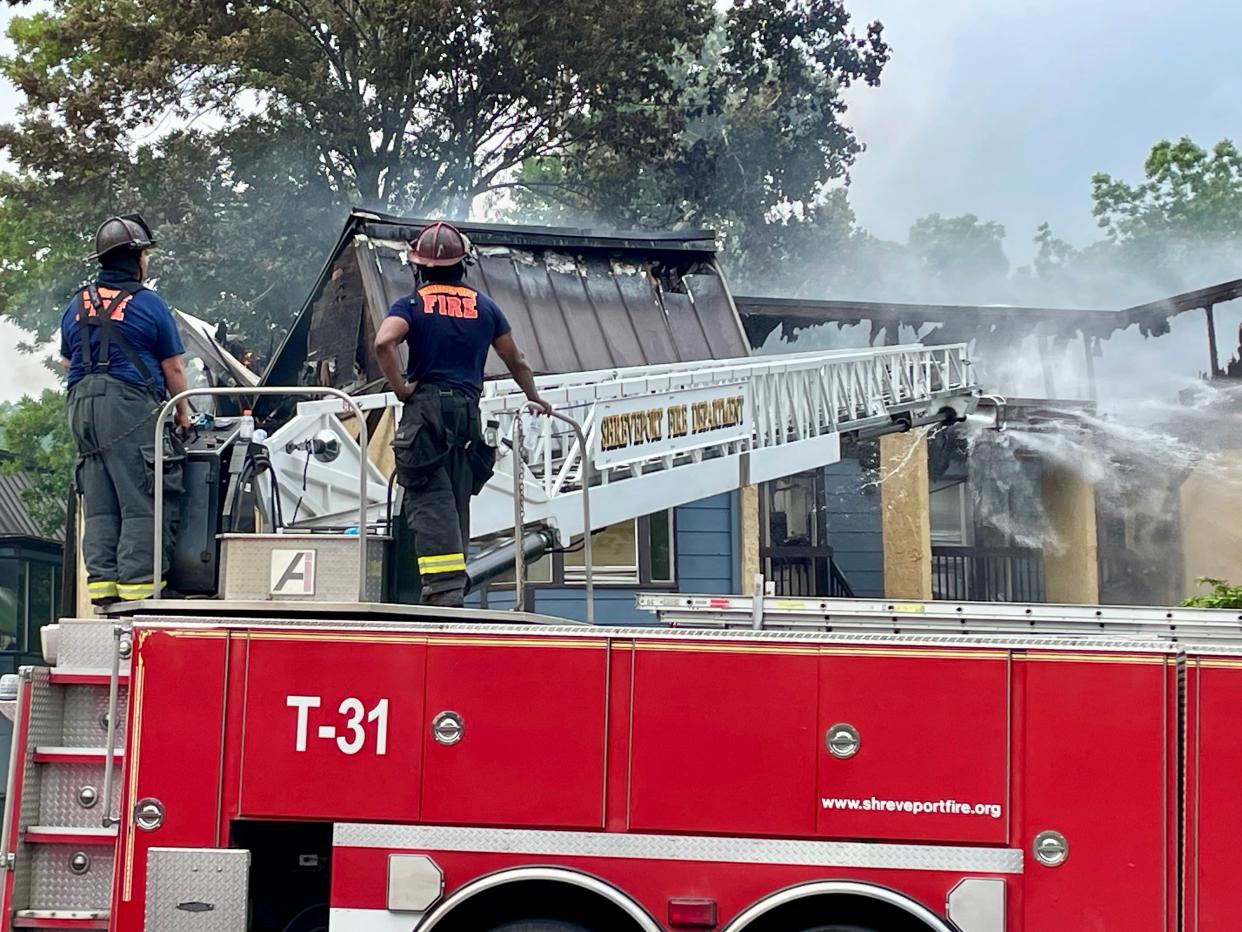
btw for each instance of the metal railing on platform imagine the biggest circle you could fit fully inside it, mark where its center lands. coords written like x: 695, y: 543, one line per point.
x: 983, y: 574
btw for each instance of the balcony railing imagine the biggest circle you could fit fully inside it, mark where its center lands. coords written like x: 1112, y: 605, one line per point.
x: 979, y: 574
x: 804, y: 571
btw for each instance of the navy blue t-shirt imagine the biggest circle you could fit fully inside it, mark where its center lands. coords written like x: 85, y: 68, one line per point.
x: 451, y: 328
x: 143, y: 319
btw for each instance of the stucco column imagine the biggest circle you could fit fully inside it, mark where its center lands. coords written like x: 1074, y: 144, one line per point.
x: 748, y: 535
x: 905, y: 516
x: 85, y: 609
x: 1072, y: 565
x: 1211, y: 498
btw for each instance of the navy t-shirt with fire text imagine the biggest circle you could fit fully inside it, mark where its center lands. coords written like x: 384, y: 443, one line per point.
x: 452, y: 326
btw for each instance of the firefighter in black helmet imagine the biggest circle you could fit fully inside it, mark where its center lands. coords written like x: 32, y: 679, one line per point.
x: 120, y: 348
x: 448, y: 327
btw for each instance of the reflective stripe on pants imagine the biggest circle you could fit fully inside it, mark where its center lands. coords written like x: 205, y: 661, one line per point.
x: 442, y: 563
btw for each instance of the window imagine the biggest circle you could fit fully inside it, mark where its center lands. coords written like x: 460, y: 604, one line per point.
x: 660, y: 537
x: 43, y: 586
x: 634, y: 552
x: 795, y: 515
x: 951, y: 516
x: 614, y: 553
x: 12, y: 602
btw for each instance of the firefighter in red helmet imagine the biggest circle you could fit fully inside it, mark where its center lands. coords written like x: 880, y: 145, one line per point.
x: 442, y: 460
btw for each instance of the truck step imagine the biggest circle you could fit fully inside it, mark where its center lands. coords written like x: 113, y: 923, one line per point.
x: 58, y: 919
x: 69, y: 835
x: 71, y: 788
x: 71, y: 871
x: 86, y: 677
x: 69, y: 755
x: 86, y: 716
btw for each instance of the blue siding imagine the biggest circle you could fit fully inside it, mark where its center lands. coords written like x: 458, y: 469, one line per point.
x: 613, y: 606
x: 854, y: 530
x: 706, y: 532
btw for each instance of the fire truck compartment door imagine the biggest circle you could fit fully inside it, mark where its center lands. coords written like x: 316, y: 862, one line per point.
x: 513, y: 732
x: 197, y: 889
x: 333, y: 727
x: 913, y: 744
x: 723, y: 739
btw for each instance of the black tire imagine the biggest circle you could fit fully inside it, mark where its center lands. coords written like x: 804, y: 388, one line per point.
x: 539, y: 925
x: 837, y: 929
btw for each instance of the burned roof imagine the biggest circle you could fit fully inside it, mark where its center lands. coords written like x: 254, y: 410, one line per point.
x: 577, y: 300
x: 761, y: 315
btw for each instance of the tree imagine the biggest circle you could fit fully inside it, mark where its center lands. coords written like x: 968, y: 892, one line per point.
x: 242, y: 225
x: 1188, y: 193
x: 761, y: 149
x: 36, y: 433
x: 1179, y: 228
x: 410, y: 102
x: 961, y: 258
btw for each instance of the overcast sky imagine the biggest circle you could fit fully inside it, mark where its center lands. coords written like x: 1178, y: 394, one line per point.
x: 1003, y: 109
x: 1006, y: 109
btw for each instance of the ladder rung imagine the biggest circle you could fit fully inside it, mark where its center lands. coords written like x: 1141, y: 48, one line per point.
x: 65, y: 755
x: 60, y: 919
x: 58, y: 835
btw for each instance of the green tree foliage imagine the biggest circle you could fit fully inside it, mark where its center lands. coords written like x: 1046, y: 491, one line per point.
x: 1178, y: 228
x: 960, y: 254
x: 760, y: 149
x: 36, y: 433
x: 1222, y: 595
x: 243, y: 129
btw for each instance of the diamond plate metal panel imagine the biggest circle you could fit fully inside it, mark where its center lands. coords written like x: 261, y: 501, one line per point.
x: 246, y: 560
x: 60, y: 793
x: 86, y: 644
x: 196, y: 889
x: 47, y: 709
x: 85, y: 723
x: 681, y: 847
x: 53, y: 885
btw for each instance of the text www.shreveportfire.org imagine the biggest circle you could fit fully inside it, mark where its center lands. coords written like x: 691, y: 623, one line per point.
x: 914, y: 807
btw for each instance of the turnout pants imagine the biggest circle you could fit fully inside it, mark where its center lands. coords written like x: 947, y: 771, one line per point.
x: 112, y: 423
x: 441, y: 462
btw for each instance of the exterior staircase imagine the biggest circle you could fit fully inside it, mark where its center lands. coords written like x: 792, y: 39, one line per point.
x: 58, y: 848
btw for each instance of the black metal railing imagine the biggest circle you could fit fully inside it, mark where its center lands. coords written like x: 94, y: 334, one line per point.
x: 804, y: 571
x: 986, y: 574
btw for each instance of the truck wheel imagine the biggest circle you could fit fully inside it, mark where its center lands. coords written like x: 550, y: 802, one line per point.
x: 539, y: 925
x: 837, y: 929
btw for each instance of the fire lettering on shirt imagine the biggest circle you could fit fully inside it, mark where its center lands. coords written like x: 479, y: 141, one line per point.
x: 450, y: 301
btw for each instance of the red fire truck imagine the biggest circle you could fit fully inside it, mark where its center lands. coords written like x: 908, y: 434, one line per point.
x: 281, y: 758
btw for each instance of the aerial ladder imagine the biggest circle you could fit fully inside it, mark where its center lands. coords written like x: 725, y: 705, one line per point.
x: 626, y: 442
x: 633, y: 441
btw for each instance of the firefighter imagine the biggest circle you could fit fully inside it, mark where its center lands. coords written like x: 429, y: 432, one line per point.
x: 120, y: 348
x: 441, y: 456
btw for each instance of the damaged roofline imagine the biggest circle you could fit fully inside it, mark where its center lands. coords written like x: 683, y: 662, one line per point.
x: 285, y: 366
x: 387, y: 226
x: 762, y: 314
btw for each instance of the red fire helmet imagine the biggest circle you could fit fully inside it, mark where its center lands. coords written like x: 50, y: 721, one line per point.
x: 439, y: 244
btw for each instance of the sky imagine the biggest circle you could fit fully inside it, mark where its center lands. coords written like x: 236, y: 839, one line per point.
x: 1000, y: 108
x: 1006, y: 109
